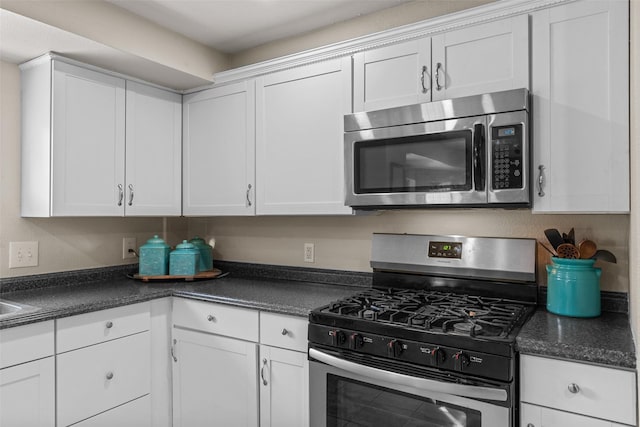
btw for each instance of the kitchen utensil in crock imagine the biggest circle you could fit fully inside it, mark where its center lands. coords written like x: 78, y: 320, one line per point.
x: 554, y: 237
x: 547, y: 249
x: 605, y: 255
x: 567, y: 250
x: 571, y: 237
x: 587, y: 248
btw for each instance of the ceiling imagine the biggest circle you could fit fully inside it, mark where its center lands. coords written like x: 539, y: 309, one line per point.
x: 231, y: 26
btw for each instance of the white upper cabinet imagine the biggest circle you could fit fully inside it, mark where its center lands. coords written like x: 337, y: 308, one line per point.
x: 153, y: 151
x: 299, y: 139
x: 482, y: 58
x: 219, y: 151
x: 94, y: 144
x: 580, y: 97
x: 391, y: 76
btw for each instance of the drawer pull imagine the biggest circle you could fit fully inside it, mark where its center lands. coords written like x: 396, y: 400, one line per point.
x: 573, y: 388
x: 264, y: 365
x: 530, y: 425
x: 285, y: 332
x: 109, y: 375
x: 109, y: 325
x: 211, y: 318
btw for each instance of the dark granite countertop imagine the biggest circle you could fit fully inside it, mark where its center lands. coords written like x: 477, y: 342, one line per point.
x: 605, y: 340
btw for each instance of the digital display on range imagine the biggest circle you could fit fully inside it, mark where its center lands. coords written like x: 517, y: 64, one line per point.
x: 445, y: 250
x: 506, y: 131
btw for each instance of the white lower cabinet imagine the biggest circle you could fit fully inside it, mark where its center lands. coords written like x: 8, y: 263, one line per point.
x: 559, y: 393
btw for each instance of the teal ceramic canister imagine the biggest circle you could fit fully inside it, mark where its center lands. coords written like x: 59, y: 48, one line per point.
x: 183, y: 260
x: 154, y: 257
x: 206, y: 253
x: 573, y: 287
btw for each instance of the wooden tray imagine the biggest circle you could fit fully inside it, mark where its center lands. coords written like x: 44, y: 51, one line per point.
x: 203, y: 275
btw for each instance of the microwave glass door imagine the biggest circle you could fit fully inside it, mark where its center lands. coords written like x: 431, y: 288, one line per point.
x: 356, y: 403
x: 421, y: 163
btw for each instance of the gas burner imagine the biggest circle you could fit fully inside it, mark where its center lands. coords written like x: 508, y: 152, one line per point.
x: 467, y: 327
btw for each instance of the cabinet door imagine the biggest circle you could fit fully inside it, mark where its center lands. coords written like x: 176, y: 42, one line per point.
x: 214, y: 381
x: 391, y: 76
x: 299, y: 139
x: 538, y: 416
x: 27, y: 394
x: 153, y: 151
x: 88, y: 142
x: 219, y: 151
x: 131, y: 414
x: 284, y: 390
x: 482, y: 58
x: 580, y: 97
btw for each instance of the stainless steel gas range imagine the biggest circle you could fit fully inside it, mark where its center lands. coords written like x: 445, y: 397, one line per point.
x: 432, y: 342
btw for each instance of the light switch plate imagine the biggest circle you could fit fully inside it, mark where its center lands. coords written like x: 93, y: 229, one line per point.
x: 23, y: 254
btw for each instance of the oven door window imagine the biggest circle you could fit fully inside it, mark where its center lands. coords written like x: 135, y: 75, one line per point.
x: 353, y: 403
x: 423, y: 163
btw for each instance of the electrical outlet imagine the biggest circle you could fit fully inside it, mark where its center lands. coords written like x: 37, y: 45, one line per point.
x: 23, y: 254
x: 128, y: 243
x: 309, y: 252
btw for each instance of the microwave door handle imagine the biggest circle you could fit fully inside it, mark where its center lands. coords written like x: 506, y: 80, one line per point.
x: 469, y: 391
x: 479, y: 173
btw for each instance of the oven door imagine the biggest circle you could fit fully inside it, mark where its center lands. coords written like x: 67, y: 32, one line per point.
x: 435, y: 163
x: 345, y: 393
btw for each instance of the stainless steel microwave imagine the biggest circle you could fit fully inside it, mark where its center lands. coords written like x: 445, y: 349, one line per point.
x: 473, y: 151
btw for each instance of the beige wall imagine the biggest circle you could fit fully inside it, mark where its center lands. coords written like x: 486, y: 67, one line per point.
x: 64, y: 243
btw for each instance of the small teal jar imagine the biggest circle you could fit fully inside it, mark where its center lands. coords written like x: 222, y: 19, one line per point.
x: 206, y: 253
x: 154, y: 257
x: 573, y: 287
x: 183, y: 260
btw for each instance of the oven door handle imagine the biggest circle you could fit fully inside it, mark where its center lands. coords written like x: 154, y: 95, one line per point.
x: 474, y: 392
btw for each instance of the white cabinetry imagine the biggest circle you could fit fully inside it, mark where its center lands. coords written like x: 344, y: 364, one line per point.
x: 77, y: 127
x: 477, y: 59
x: 102, y: 367
x: 219, y: 151
x: 553, y: 391
x: 580, y: 90
x: 299, y: 139
x: 27, y: 377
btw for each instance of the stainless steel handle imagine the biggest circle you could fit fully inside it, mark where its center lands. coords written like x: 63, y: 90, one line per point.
x: 120, y: 194
x: 438, y: 67
x: 422, y: 76
x: 211, y: 318
x: 109, y: 375
x: 130, y: 194
x: 109, y: 325
x: 249, y: 195
x: 264, y: 365
x: 284, y: 331
x: 540, y: 180
x: 574, y: 388
x: 173, y: 350
x: 477, y: 392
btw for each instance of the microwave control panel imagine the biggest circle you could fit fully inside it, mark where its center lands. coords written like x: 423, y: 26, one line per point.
x: 506, y: 157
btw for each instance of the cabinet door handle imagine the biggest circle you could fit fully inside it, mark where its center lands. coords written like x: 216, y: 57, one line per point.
x: 130, y: 194
x: 173, y: 350
x: 438, y: 68
x: 284, y: 331
x: 264, y: 365
x: 109, y: 375
x: 120, y: 194
x: 422, y: 77
x: 574, y: 388
x: 540, y: 180
x: 211, y: 318
x: 109, y: 325
x: 249, y: 195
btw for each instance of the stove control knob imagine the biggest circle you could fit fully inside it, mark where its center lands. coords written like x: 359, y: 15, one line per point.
x: 356, y: 341
x: 337, y: 337
x: 394, y: 348
x: 437, y: 356
x: 461, y: 361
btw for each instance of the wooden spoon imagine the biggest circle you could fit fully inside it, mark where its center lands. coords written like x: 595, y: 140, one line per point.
x: 587, y: 249
x: 567, y: 250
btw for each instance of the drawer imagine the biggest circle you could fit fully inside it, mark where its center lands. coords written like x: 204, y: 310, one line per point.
x: 132, y: 414
x: 25, y: 343
x: 100, y: 377
x: 100, y: 326
x: 216, y: 318
x: 601, y: 392
x: 280, y: 330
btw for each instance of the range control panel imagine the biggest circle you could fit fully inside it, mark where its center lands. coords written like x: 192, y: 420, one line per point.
x: 506, y: 157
